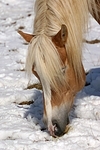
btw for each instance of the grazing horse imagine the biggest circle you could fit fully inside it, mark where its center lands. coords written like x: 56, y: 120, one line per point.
x: 55, y: 56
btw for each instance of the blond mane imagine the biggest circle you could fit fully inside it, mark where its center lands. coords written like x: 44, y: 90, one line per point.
x: 42, y: 54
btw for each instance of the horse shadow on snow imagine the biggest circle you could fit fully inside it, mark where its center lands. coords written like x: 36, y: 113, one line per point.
x: 92, y: 88
x: 35, y: 110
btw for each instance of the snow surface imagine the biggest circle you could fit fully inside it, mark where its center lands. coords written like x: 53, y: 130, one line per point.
x: 21, y: 125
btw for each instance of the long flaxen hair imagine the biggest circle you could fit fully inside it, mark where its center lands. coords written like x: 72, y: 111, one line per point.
x: 42, y: 53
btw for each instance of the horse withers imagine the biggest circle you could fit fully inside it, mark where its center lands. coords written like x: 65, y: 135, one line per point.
x: 55, y: 56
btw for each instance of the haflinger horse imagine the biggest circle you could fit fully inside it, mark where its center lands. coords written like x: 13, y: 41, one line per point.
x: 55, y: 56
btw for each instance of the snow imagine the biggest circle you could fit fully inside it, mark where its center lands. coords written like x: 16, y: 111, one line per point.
x: 21, y: 126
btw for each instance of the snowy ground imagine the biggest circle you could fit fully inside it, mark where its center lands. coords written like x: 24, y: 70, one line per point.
x: 20, y: 125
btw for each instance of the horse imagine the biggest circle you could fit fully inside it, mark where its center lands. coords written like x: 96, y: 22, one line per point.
x: 55, y: 56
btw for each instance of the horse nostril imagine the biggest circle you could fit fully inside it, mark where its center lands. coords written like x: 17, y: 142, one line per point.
x: 57, y: 130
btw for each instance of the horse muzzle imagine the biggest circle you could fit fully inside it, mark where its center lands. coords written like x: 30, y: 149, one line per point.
x: 57, y: 129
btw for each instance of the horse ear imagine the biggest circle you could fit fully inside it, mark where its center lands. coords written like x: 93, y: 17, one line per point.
x: 61, y: 37
x: 26, y: 36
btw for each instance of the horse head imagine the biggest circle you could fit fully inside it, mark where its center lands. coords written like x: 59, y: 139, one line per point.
x: 58, y: 101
